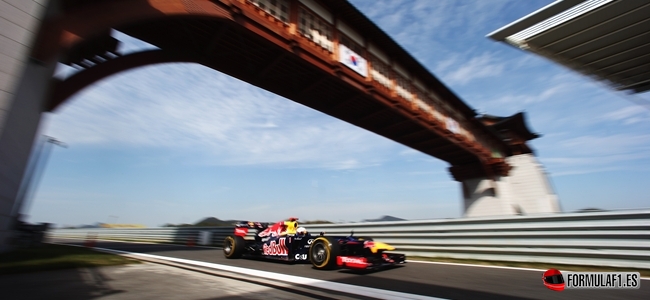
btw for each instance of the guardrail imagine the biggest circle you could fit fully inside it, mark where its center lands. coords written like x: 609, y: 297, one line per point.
x: 615, y: 239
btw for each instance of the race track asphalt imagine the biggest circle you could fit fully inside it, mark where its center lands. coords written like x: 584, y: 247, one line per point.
x: 435, y: 280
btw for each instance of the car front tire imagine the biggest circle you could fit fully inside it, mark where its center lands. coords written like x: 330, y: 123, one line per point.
x: 323, y: 253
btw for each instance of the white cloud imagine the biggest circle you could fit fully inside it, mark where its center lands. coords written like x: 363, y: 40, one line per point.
x: 409, y: 152
x: 182, y: 106
x: 627, y: 113
x: 593, y: 154
x: 556, y: 87
x: 478, y: 67
x: 446, y: 64
x: 622, y: 143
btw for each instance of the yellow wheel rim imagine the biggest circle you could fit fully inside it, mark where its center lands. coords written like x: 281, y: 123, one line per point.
x: 229, y: 246
x: 321, y: 252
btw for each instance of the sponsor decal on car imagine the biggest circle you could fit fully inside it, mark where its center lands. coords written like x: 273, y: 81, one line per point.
x: 274, y: 230
x: 377, y: 246
x: 300, y: 257
x: 352, y: 261
x: 241, y: 231
x: 275, y: 249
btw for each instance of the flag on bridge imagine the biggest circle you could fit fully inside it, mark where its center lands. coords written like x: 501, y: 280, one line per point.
x: 353, y: 60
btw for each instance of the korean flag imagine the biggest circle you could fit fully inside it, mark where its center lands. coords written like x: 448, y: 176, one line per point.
x: 353, y: 60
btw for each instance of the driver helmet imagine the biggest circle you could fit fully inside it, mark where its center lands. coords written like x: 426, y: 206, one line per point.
x: 301, y: 231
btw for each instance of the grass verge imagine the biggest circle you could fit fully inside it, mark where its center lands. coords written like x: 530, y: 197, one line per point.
x: 54, y: 257
x: 541, y: 266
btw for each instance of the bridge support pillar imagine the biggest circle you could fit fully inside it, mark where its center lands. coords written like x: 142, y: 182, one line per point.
x: 526, y: 190
x: 23, y: 92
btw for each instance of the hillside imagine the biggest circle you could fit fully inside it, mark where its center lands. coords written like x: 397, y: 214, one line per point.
x: 384, y: 219
x: 212, y: 221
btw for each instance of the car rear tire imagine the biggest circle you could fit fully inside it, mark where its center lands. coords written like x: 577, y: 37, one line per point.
x: 233, y: 246
x: 323, y: 253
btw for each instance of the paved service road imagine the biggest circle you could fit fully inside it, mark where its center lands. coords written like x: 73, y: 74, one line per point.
x: 435, y: 280
x: 134, y: 282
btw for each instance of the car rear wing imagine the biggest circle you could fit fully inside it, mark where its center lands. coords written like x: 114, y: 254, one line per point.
x: 252, y: 225
x: 241, y: 228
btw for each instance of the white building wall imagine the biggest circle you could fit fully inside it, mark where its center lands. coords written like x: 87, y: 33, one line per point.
x: 526, y: 190
x: 20, y: 102
x: 482, y: 199
x: 530, y: 185
x: 19, y: 20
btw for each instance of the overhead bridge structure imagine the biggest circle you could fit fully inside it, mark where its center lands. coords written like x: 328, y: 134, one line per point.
x: 323, y: 54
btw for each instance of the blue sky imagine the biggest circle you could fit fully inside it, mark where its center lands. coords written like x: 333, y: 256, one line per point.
x: 176, y: 143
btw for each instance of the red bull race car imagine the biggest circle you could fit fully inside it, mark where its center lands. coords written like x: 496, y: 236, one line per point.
x: 286, y: 241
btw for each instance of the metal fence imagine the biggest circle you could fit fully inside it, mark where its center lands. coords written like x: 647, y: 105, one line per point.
x: 615, y: 239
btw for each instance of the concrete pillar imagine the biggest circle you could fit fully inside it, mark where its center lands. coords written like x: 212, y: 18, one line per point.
x: 532, y: 191
x: 486, y: 197
x: 526, y: 190
x: 23, y: 87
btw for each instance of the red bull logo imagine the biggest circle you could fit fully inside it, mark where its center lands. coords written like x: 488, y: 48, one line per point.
x: 274, y: 230
x: 275, y: 249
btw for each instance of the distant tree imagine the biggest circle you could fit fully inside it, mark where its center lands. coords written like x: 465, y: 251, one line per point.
x: 317, y: 222
x: 384, y: 219
x: 212, y: 221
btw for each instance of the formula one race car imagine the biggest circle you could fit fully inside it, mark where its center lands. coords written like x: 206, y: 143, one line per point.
x: 286, y: 241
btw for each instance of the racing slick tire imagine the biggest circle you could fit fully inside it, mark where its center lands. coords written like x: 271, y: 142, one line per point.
x: 233, y: 246
x: 323, y: 253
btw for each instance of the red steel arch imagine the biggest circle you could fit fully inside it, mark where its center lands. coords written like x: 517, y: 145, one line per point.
x: 65, y: 89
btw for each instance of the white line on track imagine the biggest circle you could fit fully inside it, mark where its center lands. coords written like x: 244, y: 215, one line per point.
x: 317, y: 283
